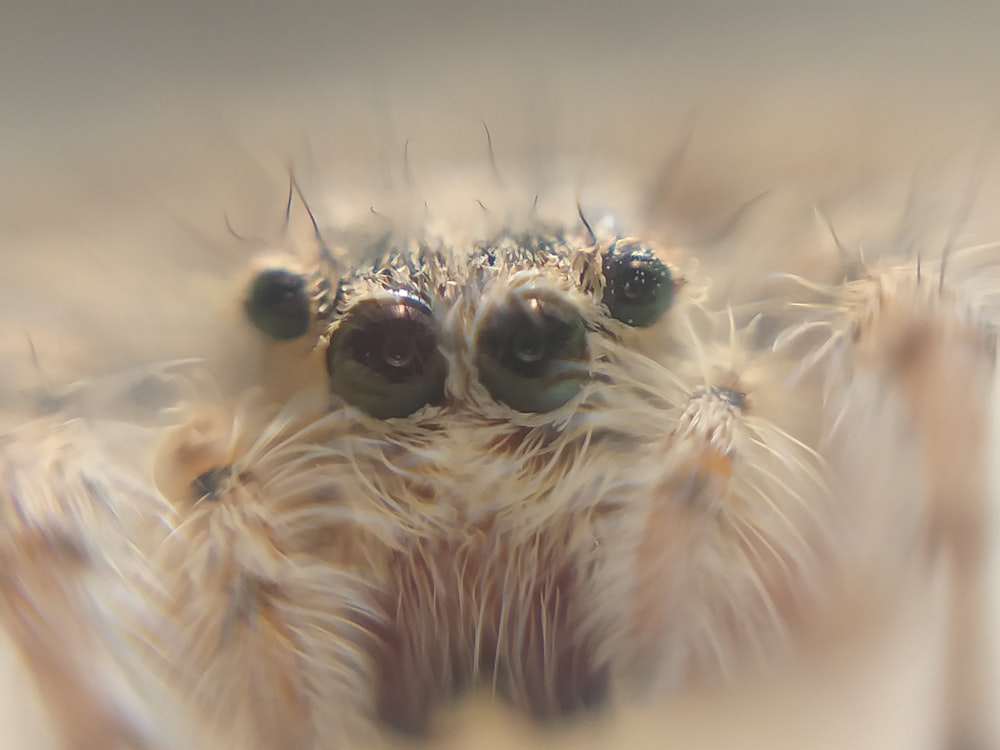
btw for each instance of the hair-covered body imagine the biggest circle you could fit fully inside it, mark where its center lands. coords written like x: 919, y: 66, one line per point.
x: 523, y: 455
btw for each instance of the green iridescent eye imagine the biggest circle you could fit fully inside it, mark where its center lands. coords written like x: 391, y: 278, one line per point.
x: 531, y: 353
x: 638, y: 286
x: 384, y: 359
x: 278, y: 304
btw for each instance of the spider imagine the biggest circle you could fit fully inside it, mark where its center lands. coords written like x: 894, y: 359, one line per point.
x: 541, y: 456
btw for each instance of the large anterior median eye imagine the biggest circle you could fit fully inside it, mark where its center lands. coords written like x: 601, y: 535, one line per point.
x: 278, y: 304
x: 384, y: 359
x: 638, y: 286
x: 531, y: 353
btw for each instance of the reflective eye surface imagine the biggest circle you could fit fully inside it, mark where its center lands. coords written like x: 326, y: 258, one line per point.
x: 531, y: 353
x: 638, y: 286
x: 384, y: 358
x: 278, y: 305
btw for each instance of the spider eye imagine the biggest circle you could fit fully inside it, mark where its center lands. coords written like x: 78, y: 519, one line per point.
x: 384, y: 358
x: 531, y: 353
x: 638, y: 286
x: 278, y: 304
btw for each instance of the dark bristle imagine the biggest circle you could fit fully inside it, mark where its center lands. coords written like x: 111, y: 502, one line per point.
x: 209, y: 484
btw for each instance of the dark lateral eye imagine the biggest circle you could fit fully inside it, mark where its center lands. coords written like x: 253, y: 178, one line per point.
x: 278, y: 304
x: 531, y: 353
x: 638, y: 286
x: 384, y: 358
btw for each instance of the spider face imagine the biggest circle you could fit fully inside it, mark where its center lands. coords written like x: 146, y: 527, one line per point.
x: 537, y: 464
x: 480, y: 376
x: 508, y: 388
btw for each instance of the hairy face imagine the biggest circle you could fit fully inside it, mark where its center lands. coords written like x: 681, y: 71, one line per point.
x: 511, y: 350
x: 538, y: 459
x: 555, y: 460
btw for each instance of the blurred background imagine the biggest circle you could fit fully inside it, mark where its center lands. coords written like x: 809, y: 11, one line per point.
x: 111, y: 78
x: 130, y: 129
